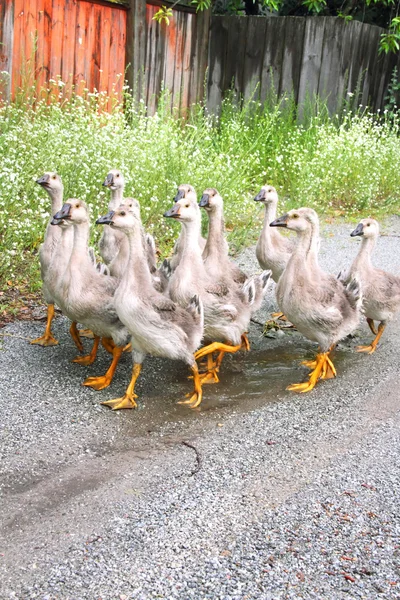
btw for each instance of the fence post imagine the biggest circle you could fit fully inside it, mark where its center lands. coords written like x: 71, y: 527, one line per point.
x: 136, y: 47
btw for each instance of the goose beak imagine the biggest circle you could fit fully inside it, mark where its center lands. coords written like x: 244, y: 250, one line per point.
x: 64, y: 213
x: 260, y: 196
x: 43, y: 180
x: 359, y: 230
x: 106, y: 219
x: 280, y: 222
x: 109, y: 181
x: 205, y: 201
x: 173, y: 212
x: 55, y: 221
x: 179, y: 196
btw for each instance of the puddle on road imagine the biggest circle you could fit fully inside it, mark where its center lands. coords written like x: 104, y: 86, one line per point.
x: 247, y: 381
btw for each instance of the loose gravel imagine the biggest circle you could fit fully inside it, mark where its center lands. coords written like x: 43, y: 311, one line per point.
x: 261, y: 494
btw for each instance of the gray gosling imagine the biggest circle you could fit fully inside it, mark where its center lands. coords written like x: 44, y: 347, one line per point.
x: 320, y: 306
x: 86, y: 295
x: 158, y: 326
x: 381, y: 290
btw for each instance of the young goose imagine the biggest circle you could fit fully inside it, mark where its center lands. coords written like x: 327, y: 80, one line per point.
x: 118, y: 264
x: 273, y: 250
x: 85, y: 295
x: 227, y: 308
x: 187, y: 192
x: 158, y: 326
x: 319, y: 305
x: 111, y: 240
x: 381, y: 290
x: 216, y: 252
x: 53, y: 185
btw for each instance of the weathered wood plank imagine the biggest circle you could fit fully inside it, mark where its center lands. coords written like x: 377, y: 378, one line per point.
x: 95, y: 70
x: 273, y: 57
x: 329, y: 78
x: 136, y: 46
x: 185, y: 85
x: 169, y: 59
x: 68, y: 66
x: 57, y: 38
x: 217, y: 59
x: 293, y: 55
x: 371, y: 57
x: 19, y: 42
x: 234, y: 62
x: 312, y: 56
x: 6, y: 48
x: 105, y: 33
x: 253, y: 57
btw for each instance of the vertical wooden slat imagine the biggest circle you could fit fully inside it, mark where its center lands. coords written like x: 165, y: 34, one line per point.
x: 217, y: 58
x: 312, y: 55
x: 57, y: 37
x: 136, y: 45
x: 253, y: 54
x: 6, y: 48
x: 89, y: 46
x: 80, y: 44
x: 329, y: 79
x: 113, y: 70
x: 68, y: 68
x: 169, y: 64
x: 273, y: 57
x: 96, y: 59
x: 121, y: 52
x: 19, y: 41
x: 293, y: 55
x: 178, y: 58
x: 105, y: 36
x: 44, y: 33
x: 185, y: 86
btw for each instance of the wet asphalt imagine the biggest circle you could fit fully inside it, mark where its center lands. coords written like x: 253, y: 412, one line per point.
x: 260, y: 493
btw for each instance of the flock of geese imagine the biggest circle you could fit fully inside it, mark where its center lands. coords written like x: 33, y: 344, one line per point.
x: 199, y: 295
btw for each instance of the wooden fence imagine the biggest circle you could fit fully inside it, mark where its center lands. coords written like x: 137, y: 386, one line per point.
x: 304, y: 56
x: 80, y: 41
x: 92, y: 43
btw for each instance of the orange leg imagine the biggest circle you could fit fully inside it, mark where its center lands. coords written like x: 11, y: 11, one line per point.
x: 211, y: 374
x: 195, y: 400
x: 90, y: 358
x: 74, y: 333
x: 372, y: 327
x: 372, y: 347
x: 47, y: 339
x: 99, y: 383
x: 324, y: 369
x: 108, y: 344
x: 216, y: 347
x: 128, y: 399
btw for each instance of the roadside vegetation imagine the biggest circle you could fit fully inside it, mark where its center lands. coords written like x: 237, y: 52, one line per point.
x: 347, y: 165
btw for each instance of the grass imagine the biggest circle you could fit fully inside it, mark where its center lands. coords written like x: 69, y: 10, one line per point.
x: 348, y: 166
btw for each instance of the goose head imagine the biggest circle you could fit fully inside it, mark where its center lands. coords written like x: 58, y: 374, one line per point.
x: 367, y: 228
x: 114, y: 180
x: 185, y: 210
x: 299, y: 219
x: 125, y: 218
x: 187, y: 192
x: 267, y: 195
x: 73, y: 211
x: 211, y: 201
x: 51, y: 182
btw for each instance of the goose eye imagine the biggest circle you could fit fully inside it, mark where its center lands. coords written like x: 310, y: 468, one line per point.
x: 295, y: 216
x: 117, y: 174
x: 186, y: 205
x: 76, y: 205
x: 122, y: 213
x: 54, y: 176
x: 368, y: 224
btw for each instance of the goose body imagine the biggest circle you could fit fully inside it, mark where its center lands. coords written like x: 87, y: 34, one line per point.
x: 159, y: 326
x: 86, y: 295
x: 381, y: 290
x: 320, y: 306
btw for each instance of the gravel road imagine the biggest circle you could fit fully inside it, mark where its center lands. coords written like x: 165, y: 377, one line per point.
x: 260, y: 494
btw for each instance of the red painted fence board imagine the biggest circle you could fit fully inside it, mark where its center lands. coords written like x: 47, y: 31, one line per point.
x: 78, y: 41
